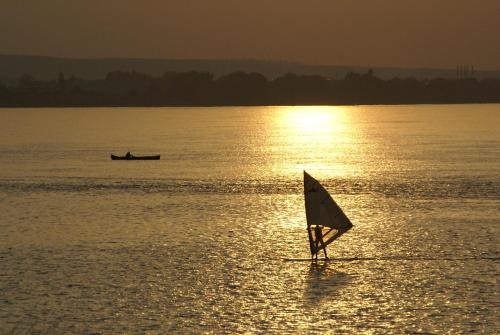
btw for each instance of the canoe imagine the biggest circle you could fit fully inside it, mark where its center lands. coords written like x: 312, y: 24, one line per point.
x: 135, y: 158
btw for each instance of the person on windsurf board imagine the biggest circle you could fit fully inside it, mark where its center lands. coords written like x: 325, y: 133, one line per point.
x: 318, y: 241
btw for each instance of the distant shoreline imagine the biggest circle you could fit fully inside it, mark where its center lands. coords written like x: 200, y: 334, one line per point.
x: 47, y: 68
x: 201, y: 89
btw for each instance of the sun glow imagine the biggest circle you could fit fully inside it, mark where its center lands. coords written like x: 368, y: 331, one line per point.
x: 323, y: 121
x: 313, y: 138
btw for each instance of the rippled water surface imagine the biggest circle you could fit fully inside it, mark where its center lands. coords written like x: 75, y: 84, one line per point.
x: 196, y: 242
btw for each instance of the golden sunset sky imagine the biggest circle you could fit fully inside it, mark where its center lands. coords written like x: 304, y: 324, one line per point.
x: 406, y: 33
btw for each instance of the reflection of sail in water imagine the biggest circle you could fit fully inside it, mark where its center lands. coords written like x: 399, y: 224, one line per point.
x: 322, y: 212
x: 323, y: 283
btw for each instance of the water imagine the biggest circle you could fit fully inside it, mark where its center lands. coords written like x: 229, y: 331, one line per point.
x: 195, y: 242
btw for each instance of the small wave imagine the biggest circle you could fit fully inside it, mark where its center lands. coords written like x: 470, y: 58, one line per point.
x: 424, y: 189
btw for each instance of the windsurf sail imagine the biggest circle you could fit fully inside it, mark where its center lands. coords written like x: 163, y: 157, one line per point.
x: 323, y: 213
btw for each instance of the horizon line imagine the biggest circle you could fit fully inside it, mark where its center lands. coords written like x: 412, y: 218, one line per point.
x: 291, y: 62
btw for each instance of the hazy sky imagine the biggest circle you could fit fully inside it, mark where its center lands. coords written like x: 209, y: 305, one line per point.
x: 416, y: 33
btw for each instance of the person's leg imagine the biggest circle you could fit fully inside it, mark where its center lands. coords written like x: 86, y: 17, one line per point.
x: 316, y: 249
x: 323, y: 246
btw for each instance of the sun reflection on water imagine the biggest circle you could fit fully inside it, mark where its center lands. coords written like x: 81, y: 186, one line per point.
x: 323, y: 122
x: 313, y: 138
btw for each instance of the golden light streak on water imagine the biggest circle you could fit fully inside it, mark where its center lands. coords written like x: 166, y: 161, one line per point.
x: 318, y: 122
x: 314, y: 136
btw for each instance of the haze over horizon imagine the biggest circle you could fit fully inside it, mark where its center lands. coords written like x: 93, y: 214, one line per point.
x: 379, y: 33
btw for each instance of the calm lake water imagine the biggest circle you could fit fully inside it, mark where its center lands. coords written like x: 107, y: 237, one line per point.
x: 196, y: 242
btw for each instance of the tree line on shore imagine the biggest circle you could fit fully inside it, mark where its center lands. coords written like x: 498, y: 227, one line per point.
x: 121, y: 88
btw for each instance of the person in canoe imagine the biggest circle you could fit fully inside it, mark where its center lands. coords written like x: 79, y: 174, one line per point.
x: 128, y: 155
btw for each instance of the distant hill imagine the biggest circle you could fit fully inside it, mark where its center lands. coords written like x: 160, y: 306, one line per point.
x: 47, y: 68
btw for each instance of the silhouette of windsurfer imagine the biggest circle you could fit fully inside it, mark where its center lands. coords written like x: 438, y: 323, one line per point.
x: 318, y: 241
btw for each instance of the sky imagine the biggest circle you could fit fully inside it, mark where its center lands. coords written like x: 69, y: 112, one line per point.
x: 399, y: 33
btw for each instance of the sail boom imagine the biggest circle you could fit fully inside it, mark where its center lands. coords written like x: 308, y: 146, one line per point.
x: 336, y: 236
